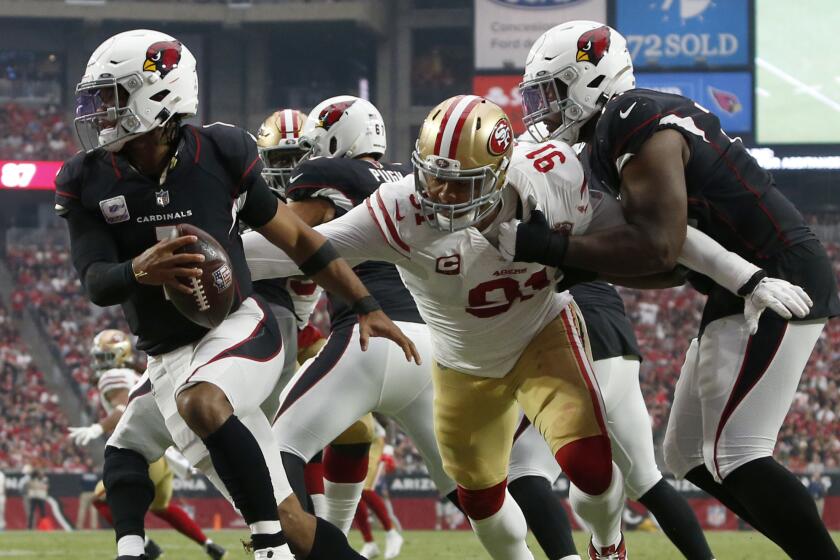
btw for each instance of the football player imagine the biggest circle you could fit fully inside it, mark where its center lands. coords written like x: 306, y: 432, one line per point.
x: 490, y: 321
x: 140, y: 173
x: 347, y: 139
x: 112, y: 355
x: 672, y: 165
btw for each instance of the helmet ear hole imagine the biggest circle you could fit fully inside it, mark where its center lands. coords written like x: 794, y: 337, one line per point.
x: 160, y: 96
x: 596, y: 82
x: 333, y: 145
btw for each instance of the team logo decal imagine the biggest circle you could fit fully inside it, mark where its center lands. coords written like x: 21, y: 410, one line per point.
x: 114, y: 210
x: 222, y: 278
x: 332, y: 113
x: 501, y: 138
x: 450, y: 264
x: 162, y: 197
x: 726, y: 101
x: 593, y: 45
x: 162, y: 57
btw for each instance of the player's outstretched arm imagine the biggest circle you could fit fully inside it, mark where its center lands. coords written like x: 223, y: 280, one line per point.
x: 318, y: 259
x: 83, y: 435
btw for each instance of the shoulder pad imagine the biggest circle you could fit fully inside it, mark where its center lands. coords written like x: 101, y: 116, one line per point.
x: 628, y: 120
x: 68, y: 182
x: 395, y: 210
x: 550, y: 177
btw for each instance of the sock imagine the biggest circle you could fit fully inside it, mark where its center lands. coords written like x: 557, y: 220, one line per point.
x: 545, y: 516
x: 182, y: 522
x: 703, y: 479
x: 129, y: 490
x: 131, y: 545
x: 345, y: 469
x: 677, y: 520
x: 104, y: 511
x: 363, y: 523
x: 601, y: 513
x: 241, y: 465
x: 503, y: 533
x: 782, y: 506
x: 331, y: 544
x: 295, y: 468
x: 375, y: 503
x: 314, y: 478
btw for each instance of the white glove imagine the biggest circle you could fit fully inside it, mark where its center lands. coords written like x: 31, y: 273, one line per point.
x: 83, y: 435
x: 780, y: 296
x: 507, y: 239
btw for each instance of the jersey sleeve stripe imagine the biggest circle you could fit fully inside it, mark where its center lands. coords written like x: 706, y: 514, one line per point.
x: 67, y: 194
x: 390, y: 223
x: 114, y: 165
x: 443, y: 122
x: 197, y: 144
x: 373, y: 214
x: 244, y: 175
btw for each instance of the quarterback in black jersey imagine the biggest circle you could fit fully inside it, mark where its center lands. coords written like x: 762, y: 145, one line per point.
x: 143, y: 172
x: 672, y: 165
x: 347, y: 140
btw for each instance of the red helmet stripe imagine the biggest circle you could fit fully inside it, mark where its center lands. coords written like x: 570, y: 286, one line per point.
x: 459, y: 126
x: 443, y: 122
x: 289, y: 124
x: 282, y: 120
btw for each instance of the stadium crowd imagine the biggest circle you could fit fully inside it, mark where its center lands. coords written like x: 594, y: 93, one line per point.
x: 32, y: 425
x: 665, y: 322
x: 38, y: 132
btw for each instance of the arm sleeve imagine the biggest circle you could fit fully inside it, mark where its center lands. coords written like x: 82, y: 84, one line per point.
x: 703, y: 254
x: 93, y: 250
x: 354, y: 235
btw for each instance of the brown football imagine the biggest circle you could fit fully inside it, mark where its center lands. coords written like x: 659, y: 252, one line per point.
x: 213, y: 291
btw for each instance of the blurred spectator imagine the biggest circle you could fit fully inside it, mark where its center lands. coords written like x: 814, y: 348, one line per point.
x: 817, y: 489
x: 42, y: 132
x: 2, y: 501
x: 36, y: 490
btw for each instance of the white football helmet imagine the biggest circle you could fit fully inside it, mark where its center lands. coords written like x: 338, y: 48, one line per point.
x: 344, y: 126
x: 134, y: 82
x: 573, y: 69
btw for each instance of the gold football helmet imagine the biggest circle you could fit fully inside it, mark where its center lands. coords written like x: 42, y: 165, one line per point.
x: 464, y: 145
x: 278, y: 141
x: 111, y: 349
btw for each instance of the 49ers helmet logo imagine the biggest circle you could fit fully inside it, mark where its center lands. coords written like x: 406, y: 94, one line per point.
x: 332, y: 113
x: 501, y: 138
x: 593, y: 45
x: 162, y: 57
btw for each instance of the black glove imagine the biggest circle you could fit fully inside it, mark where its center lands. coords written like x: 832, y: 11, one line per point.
x: 536, y: 242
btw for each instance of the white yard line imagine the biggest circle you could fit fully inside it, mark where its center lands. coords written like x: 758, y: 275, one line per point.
x: 805, y: 88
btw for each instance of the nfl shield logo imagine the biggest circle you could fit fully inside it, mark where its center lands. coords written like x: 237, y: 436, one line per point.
x: 162, y: 197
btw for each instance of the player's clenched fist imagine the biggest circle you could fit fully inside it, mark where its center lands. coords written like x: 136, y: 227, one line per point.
x: 160, y: 264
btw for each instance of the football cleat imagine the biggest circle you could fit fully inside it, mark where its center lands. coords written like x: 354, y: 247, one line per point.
x: 152, y: 550
x: 370, y: 550
x: 215, y: 551
x: 393, y: 544
x: 613, y: 552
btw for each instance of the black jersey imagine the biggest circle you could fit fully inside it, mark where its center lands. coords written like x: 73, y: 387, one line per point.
x: 346, y: 183
x: 114, y: 213
x: 610, y: 331
x: 730, y: 197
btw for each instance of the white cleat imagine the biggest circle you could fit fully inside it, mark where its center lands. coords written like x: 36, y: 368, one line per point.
x: 370, y: 550
x: 274, y: 553
x: 393, y: 544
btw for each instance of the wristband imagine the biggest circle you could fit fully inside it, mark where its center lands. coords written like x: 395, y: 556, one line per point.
x: 365, y: 305
x: 555, y: 251
x: 754, y: 280
x: 319, y: 260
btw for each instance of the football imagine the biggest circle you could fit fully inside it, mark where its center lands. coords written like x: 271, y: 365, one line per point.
x: 213, y: 291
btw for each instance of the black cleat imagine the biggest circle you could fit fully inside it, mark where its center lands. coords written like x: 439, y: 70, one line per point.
x: 215, y: 551
x: 153, y: 551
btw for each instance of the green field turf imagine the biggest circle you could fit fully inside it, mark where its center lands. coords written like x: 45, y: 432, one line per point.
x: 797, y: 72
x: 420, y: 545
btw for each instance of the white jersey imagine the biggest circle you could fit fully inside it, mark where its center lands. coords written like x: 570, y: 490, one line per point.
x: 482, y: 311
x: 113, y: 379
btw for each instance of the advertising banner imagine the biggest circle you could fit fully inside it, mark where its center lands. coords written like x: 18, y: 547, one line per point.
x: 504, y: 92
x: 506, y: 29
x: 685, y: 33
x: 726, y: 94
x: 28, y: 175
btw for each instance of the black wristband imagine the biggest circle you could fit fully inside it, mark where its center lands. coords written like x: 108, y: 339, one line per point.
x: 747, y: 288
x: 555, y: 251
x: 317, y: 261
x: 365, y: 305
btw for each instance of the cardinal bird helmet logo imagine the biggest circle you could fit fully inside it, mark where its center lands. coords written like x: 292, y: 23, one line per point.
x: 593, y: 45
x: 332, y: 113
x: 162, y: 57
